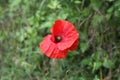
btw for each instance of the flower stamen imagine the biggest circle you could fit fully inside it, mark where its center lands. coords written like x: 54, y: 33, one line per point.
x: 58, y: 38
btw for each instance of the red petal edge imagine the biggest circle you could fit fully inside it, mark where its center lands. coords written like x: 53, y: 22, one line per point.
x: 74, y: 46
x: 67, y: 31
x: 68, y: 42
x: 51, y: 50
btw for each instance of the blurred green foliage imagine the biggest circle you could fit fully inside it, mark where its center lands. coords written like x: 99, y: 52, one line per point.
x: 24, y: 23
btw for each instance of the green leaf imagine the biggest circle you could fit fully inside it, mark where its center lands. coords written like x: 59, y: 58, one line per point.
x: 97, y: 19
x: 83, y: 47
x: 96, y: 65
x: 77, y: 2
x: 96, y: 4
x: 107, y: 63
x: 96, y: 78
x: 54, y: 4
x: 87, y: 61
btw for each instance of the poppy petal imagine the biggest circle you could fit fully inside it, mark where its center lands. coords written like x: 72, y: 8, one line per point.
x: 62, y: 27
x: 73, y: 47
x: 67, y: 31
x: 50, y: 49
x: 59, y: 53
x: 57, y: 28
x: 68, y: 41
x: 44, y: 45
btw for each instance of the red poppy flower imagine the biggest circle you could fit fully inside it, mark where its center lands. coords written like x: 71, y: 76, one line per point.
x: 64, y: 37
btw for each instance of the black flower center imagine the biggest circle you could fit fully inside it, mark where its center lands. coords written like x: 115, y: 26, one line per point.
x: 58, y: 39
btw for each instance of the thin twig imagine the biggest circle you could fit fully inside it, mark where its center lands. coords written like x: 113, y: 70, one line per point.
x: 85, y: 20
x: 101, y: 76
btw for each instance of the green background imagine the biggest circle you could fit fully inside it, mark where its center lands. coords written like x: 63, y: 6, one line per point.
x: 24, y: 24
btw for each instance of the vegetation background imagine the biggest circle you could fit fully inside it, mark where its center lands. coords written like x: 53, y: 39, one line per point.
x: 24, y: 23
